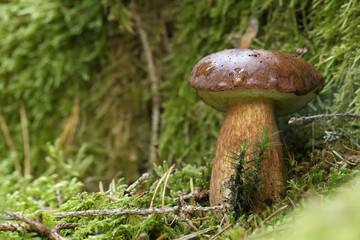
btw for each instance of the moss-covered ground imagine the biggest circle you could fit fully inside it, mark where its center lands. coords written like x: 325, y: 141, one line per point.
x: 77, y: 72
x: 321, y: 199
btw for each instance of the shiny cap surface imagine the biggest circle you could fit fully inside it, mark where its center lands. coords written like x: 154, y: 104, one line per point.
x: 267, y: 73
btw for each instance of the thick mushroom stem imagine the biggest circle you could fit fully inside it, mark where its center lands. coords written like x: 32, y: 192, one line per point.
x: 245, y: 119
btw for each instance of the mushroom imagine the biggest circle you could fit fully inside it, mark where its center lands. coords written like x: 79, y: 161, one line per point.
x: 252, y: 87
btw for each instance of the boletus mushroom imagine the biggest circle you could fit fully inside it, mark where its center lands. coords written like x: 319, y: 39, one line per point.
x: 253, y: 87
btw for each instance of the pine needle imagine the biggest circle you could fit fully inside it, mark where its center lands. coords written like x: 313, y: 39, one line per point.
x: 10, y: 144
x: 25, y: 133
x: 165, y: 184
x: 157, y: 187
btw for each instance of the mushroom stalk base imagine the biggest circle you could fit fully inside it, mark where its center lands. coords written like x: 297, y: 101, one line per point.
x: 244, y: 120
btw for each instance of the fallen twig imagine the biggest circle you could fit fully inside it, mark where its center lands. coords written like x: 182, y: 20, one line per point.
x: 302, y: 120
x: 61, y: 226
x: 37, y: 227
x: 120, y: 211
x: 18, y: 227
x: 181, y: 198
x: 184, y: 216
x: 198, y: 194
x: 202, y: 219
x: 142, y: 179
x: 273, y: 214
x: 154, y: 80
x: 13, y: 227
x: 218, y: 234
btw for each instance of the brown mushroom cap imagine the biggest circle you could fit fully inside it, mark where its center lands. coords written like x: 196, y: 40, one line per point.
x: 242, y: 73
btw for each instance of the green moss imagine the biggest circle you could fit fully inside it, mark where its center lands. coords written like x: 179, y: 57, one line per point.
x: 31, y: 194
x: 54, y: 51
x: 49, y: 52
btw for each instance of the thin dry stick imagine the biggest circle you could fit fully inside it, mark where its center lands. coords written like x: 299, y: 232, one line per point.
x: 112, y: 198
x: 292, y: 203
x: 218, y: 234
x: 195, y: 234
x: 58, y: 197
x: 302, y: 120
x: 142, y: 179
x: 61, y: 226
x: 173, y: 221
x: 202, y: 219
x: 161, y: 237
x: 157, y: 187
x: 13, y: 227
x: 139, y: 196
x: 191, y: 184
x: 70, y: 127
x: 184, y: 216
x: 350, y: 150
x: 10, y: 143
x: 331, y: 164
x: 112, y: 186
x: 25, y: 133
x: 273, y: 214
x: 165, y: 184
x: 101, y: 187
x: 198, y: 194
x: 73, y: 121
x: 222, y: 221
x: 157, y: 156
x: 120, y: 211
x: 313, y: 136
x: 68, y: 131
x: 156, y: 99
x: 18, y: 227
x: 181, y: 199
x: 255, y: 221
x: 192, y: 226
x: 192, y: 189
x: 352, y: 140
x: 37, y: 227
